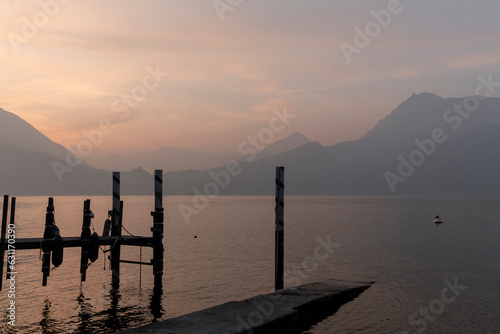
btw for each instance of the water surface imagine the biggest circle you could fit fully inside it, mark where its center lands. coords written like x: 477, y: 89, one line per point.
x: 390, y: 241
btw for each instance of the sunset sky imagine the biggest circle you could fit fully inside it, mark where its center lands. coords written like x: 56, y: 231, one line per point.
x: 229, y: 68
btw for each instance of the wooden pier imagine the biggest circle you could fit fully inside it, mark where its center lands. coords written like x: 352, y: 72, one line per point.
x: 53, y: 245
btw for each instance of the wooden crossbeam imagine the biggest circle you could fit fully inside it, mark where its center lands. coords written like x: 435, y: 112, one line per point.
x: 35, y: 243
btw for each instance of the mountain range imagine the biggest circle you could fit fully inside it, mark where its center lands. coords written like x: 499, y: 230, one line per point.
x: 175, y: 159
x: 427, y: 146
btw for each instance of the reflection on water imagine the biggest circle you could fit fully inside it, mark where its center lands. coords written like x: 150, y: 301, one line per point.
x: 84, y: 314
x: 156, y: 306
x: 90, y: 320
x: 48, y: 324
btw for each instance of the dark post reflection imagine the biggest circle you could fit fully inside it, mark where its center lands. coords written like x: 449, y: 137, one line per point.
x: 156, y: 305
x: 48, y: 325
x: 84, y: 314
x: 112, y: 320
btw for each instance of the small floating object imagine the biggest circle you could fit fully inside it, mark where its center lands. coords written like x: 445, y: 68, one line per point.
x: 437, y: 220
x: 58, y: 251
x: 94, y: 247
x: 196, y: 237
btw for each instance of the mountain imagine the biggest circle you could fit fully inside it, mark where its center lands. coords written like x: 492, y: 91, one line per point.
x: 428, y: 146
x: 17, y: 132
x: 291, y: 142
x: 166, y: 158
x: 464, y: 164
x: 24, y: 172
x: 176, y: 159
x: 31, y: 163
x: 420, y: 114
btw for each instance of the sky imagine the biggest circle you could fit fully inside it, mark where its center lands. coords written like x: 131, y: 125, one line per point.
x: 206, y: 74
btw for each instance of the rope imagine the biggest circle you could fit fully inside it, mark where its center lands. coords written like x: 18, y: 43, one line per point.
x: 108, y: 250
x: 140, y: 268
x: 129, y: 232
x: 104, y: 258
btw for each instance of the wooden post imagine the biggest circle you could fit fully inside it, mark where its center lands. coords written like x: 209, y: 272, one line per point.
x: 85, y: 236
x: 12, y: 224
x: 116, y: 231
x: 2, y: 240
x: 47, y: 240
x: 280, y: 227
x: 158, y: 219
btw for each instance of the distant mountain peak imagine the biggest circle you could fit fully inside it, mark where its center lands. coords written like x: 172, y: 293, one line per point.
x: 422, y: 98
x: 289, y: 143
x: 420, y: 114
x: 298, y: 136
x: 138, y: 171
x: 425, y: 94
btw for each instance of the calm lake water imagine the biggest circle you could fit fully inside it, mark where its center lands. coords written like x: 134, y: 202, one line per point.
x: 392, y: 242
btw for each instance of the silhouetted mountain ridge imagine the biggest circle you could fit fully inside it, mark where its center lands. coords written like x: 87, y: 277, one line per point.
x: 175, y: 159
x: 289, y: 143
x: 425, y: 146
x: 359, y: 167
x: 17, y: 132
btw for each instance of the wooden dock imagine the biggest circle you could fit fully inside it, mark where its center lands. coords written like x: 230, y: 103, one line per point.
x: 52, y: 244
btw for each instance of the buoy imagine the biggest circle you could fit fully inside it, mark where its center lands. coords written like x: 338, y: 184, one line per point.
x: 94, y: 247
x: 57, y: 251
x: 196, y: 237
x: 107, y: 227
x: 437, y: 220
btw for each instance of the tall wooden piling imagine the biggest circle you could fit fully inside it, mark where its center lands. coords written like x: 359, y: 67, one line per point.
x: 47, y: 241
x: 85, y: 237
x: 11, y: 224
x: 158, y: 220
x: 116, y: 231
x: 3, y: 240
x: 280, y: 227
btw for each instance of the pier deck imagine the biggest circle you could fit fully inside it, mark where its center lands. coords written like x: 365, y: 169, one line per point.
x: 285, y: 311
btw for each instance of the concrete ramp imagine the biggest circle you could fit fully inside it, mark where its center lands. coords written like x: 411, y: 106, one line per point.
x: 287, y: 311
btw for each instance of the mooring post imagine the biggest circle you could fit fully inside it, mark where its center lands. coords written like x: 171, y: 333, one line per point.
x: 11, y: 225
x: 47, y: 241
x: 158, y: 218
x: 116, y: 231
x: 2, y: 240
x: 85, y: 237
x: 280, y: 227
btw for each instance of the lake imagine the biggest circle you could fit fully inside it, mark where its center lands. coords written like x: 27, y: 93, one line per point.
x: 428, y: 278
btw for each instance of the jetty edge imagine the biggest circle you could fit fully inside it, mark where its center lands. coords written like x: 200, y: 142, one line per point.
x: 285, y: 311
